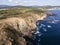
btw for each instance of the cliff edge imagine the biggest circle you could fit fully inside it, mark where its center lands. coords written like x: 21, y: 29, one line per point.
x: 16, y: 23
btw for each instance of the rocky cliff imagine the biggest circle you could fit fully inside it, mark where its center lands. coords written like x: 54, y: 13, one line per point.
x: 12, y: 29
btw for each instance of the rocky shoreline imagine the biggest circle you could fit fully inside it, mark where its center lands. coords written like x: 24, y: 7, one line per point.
x: 13, y: 29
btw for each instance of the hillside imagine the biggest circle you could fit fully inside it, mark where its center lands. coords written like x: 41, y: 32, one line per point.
x: 34, y: 6
x: 15, y: 23
x: 20, y: 12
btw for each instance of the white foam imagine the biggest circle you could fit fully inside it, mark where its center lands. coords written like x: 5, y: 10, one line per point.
x: 43, y: 25
x: 45, y: 29
x: 37, y: 32
x: 40, y: 34
x: 49, y: 26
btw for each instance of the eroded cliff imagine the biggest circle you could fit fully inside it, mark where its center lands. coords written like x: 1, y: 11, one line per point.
x: 13, y: 28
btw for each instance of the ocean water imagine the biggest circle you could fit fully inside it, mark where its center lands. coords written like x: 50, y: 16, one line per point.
x: 48, y: 30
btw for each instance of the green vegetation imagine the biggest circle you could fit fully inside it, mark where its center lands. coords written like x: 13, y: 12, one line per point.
x: 22, y: 12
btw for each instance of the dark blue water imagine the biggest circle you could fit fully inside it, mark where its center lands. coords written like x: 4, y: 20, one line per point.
x: 52, y: 35
x: 48, y: 30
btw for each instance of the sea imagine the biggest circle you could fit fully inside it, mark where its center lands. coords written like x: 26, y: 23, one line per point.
x: 48, y: 30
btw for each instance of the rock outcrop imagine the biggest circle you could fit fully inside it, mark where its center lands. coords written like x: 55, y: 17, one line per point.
x: 14, y: 27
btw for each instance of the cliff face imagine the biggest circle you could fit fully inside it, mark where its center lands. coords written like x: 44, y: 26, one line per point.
x: 13, y: 28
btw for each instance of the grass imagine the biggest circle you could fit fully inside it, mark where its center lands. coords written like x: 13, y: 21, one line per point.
x: 22, y: 12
